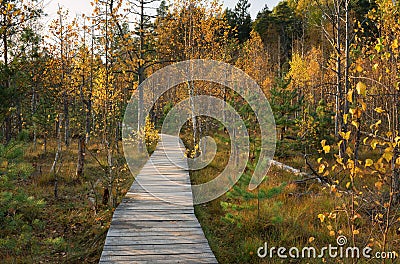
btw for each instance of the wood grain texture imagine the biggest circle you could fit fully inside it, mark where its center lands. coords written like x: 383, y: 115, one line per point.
x: 147, y: 227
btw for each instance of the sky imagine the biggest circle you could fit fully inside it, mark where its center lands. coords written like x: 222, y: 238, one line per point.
x: 255, y: 5
x: 83, y: 6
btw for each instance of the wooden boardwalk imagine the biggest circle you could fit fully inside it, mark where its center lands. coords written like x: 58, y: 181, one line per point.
x: 146, y: 226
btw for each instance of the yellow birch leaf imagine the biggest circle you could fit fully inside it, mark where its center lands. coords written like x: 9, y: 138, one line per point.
x: 368, y: 162
x: 361, y: 88
x: 321, y: 168
x: 363, y: 105
x: 327, y: 149
x: 374, y: 143
x: 350, y: 96
x: 321, y: 217
x: 387, y: 156
x: 345, y: 136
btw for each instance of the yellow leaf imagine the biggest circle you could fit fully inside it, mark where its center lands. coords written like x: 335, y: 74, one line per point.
x: 323, y: 142
x: 345, y: 116
x: 357, y: 112
x: 374, y: 143
x: 359, y: 68
x: 368, y: 162
x: 345, y: 136
x: 363, y: 106
x: 319, y: 160
x: 329, y: 227
x: 321, y: 168
x: 398, y: 161
x: 327, y: 149
x: 378, y: 185
x: 339, y: 160
x: 379, y: 47
x: 356, y: 232
x: 395, y: 44
x: 332, y: 233
x: 311, y: 239
x: 355, y: 123
x: 387, y: 156
x: 361, y: 89
x: 348, y: 185
x: 321, y: 217
x: 376, y: 124
x: 350, y: 96
x: 379, y: 110
x: 350, y: 163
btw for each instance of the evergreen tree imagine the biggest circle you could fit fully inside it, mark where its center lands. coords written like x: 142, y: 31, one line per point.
x: 286, y: 105
x: 240, y: 199
x: 162, y: 10
x: 240, y: 19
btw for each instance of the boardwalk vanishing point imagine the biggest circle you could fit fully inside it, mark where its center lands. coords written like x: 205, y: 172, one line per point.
x: 147, y: 229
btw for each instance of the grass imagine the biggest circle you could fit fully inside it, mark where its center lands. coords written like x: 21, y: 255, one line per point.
x: 291, y: 218
x: 38, y: 227
x: 70, y: 228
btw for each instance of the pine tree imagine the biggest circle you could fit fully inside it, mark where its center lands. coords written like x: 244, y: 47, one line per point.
x: 240, y: 199
x: 240, y: 19
x: 284, y: 105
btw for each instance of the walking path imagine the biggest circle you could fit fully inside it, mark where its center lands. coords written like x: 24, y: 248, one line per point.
x: 147, y: 229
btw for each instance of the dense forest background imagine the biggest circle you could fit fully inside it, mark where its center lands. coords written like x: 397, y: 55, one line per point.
x: 330, y: 70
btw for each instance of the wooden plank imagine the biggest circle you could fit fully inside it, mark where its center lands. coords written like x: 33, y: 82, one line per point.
x: 194, y: 232
x: 158, y: 230
x: 187, y: 237
x: 147, y: 229
x: 176, y: 258
x: 162, y: 249
x: 170, y: 224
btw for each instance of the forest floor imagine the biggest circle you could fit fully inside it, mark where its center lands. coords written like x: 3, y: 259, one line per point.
x: 284, y: 212
x: 37, y: 227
